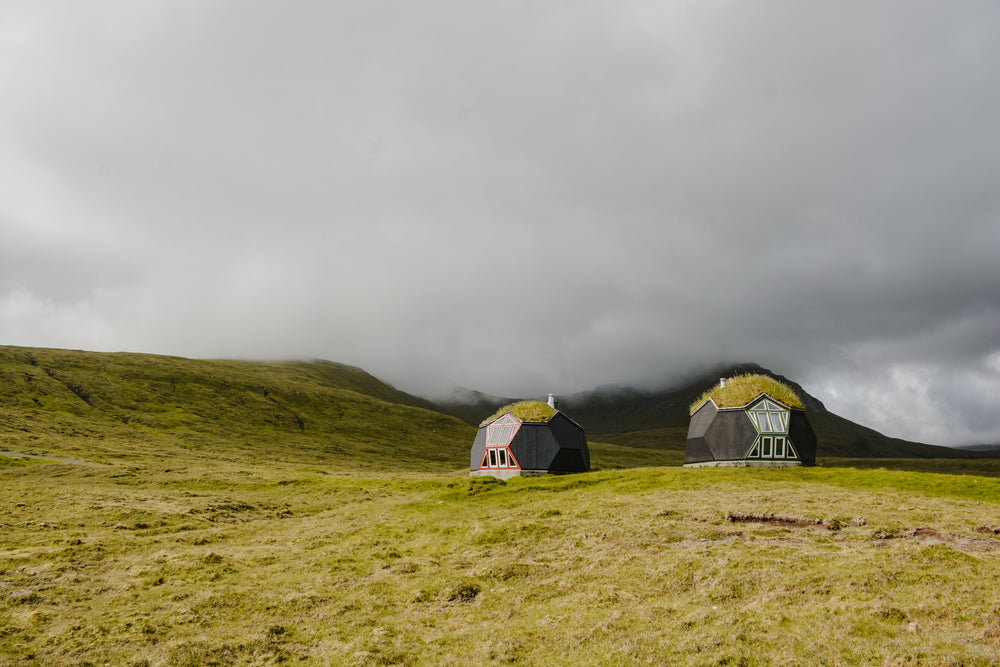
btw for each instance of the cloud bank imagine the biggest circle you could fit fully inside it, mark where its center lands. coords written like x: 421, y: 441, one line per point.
x: 518, y: 197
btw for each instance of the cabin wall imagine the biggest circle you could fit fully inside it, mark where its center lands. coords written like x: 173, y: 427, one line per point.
x: 803, y: 437
x: 534, y: 446
x: 730, y: 435
x: 697, y: 450
x: 723, y: 437
x: 478, y: 449
x: 574, y: 455
x: 556, y: 446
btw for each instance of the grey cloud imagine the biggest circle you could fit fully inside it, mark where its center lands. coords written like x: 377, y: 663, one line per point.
x: 517, y: 197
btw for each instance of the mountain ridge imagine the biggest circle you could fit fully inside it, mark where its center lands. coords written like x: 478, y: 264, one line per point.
x: 658, y: 418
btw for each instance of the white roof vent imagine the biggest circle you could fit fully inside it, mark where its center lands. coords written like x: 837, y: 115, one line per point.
x: 552, y: 401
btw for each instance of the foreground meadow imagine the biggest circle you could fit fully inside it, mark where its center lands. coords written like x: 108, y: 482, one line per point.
x: 206, y: 563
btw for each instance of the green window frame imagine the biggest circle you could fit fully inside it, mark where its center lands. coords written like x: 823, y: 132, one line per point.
x: 773, y: 448
x: 768, y: 417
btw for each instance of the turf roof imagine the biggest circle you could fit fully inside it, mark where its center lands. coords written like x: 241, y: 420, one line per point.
x: 743, y: 389
x: 526, y: 411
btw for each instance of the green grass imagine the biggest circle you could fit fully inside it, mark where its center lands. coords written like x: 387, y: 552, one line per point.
x: 978, y: 467
x: 609, y: 456
x: 673, y: 439
x: 742, y: 389
x: 109, y: 407
x: 526, y: 411
x: 13, y: 461
x: 304, y: 513
x: 242, y: 563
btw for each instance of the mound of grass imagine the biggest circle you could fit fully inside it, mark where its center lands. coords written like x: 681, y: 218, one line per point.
x: 742, y: 389
x: 526, y: 411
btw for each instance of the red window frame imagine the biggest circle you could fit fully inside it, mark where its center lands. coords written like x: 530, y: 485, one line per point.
x: 498, y: 437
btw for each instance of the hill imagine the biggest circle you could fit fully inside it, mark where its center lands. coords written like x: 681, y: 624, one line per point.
x: 113, y: 406
x: 982, y: 448
x: 105, y: 406
x: 471, y: 406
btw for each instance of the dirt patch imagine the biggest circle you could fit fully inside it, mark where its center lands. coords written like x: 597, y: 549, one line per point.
x: 972, y: 543
x: 922, y: 534
x: 780, y: 519
x: 911, y: 533
x: 963, y: 542
x: 793, y: 521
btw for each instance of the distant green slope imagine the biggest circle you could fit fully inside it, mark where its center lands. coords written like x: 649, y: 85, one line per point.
x: 101, y: 406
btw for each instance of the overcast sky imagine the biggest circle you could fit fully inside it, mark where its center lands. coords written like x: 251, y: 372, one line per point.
x: 518, y: 197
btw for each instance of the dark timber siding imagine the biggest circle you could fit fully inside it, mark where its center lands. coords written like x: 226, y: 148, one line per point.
x: 574, y: 455
x: 534, y: 446
x: 697, y: 450
x: 558, y: 445
x: 730, y: 435
x: 803, y: 437
x: 727, y: 434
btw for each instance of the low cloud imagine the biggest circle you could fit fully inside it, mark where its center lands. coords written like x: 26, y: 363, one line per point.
x: 514, y: 198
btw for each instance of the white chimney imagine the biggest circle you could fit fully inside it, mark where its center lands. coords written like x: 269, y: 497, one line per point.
x: 552, y: 401
x: 722, y: 382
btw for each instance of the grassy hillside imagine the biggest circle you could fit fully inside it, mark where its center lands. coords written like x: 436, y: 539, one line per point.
x: 843, y: 438
x: 99, y: 406
x: 103, y: 407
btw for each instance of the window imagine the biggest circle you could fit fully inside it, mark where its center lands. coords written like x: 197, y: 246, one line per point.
x: 768, y: 417
x: 771, y: 421
x: 499, y: 457
x: 502, y: 430
x: 498, y: 437
x: 772, y: 447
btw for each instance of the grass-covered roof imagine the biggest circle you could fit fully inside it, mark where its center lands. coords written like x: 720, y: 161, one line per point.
x: 743, y: 389
x: 526, y: 411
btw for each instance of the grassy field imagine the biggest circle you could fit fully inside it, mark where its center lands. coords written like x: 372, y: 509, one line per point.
x: 981, y: 467
x: 244, y: 562
x: 305, y: 513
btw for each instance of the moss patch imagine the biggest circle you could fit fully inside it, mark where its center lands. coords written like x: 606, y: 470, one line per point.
x: 526, y: 411
x: 742, y: 389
